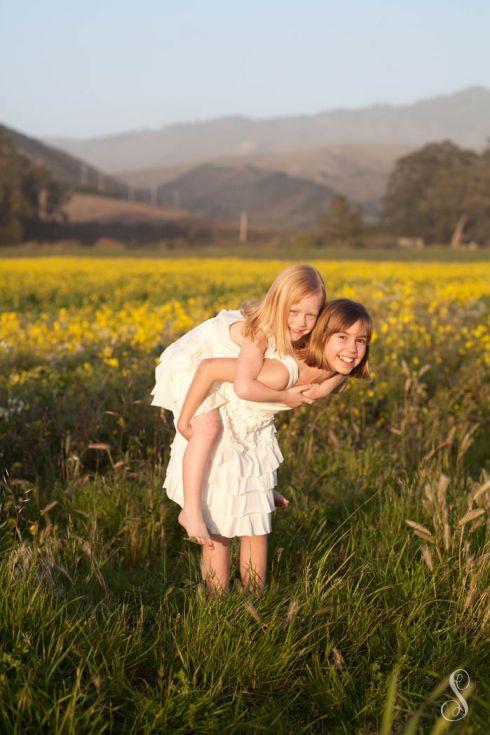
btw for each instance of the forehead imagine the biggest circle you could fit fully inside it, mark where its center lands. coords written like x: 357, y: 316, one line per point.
x: 357, y: 329
x: 311, y: 302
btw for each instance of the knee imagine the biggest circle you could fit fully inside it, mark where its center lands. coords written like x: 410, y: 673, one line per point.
x: 242, y: 389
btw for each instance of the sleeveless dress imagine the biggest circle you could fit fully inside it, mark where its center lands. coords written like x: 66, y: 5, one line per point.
x: 237, y: 493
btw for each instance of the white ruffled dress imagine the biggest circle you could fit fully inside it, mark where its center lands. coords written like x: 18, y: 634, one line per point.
x: 237, y: 493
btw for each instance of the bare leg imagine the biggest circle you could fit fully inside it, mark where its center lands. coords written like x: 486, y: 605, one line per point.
x: 205, y: 430
x: 253, y: 561
x: 215, y: 564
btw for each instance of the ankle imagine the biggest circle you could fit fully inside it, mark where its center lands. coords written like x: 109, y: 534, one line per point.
x: 191, y: 512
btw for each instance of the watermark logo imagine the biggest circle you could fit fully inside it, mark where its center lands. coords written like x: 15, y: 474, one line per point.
x: 455, y: 709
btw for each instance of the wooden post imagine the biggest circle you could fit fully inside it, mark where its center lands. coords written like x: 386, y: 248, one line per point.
x: 243, y: 226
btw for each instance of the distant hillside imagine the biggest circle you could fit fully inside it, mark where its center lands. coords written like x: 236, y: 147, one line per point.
x: 270, y: 198
x: 93, y: 208
x: 88, y: 218
x: 463, y: 117
x: 64, y: 167
x: 360, y: 171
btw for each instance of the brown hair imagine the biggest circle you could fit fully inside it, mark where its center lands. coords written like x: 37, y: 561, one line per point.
x: 270, y: 314
x: 337, y: 316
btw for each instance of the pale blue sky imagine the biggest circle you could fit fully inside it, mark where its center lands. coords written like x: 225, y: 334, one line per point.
x: 98, y: 67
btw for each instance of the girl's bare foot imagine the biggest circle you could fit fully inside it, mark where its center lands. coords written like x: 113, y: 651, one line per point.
x: 279, y: 500
x: 196, y: 528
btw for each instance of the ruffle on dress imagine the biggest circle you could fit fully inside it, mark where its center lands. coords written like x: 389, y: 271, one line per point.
x: 237, y: 493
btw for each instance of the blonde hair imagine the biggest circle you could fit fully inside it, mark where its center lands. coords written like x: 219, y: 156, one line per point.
x: 271, y: 313
x: 337, y: 316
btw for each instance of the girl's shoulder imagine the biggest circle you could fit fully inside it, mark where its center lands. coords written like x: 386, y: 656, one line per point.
x: 259, y: 339
x: 236, y: 332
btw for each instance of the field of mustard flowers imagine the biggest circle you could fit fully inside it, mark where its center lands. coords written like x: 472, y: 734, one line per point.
x: 378, y: 569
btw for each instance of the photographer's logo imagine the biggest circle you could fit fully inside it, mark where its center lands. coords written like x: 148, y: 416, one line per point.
x: 456, y: 709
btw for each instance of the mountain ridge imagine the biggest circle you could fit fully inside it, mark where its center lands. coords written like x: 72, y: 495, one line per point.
x: 462, y: 116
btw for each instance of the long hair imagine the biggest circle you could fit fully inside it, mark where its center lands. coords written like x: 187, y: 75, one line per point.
x: 271, y: 313
x: 337, y: 316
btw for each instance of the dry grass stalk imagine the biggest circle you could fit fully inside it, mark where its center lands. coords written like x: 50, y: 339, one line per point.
x: 470, y: 516
x: 338, y: 658
x: 255, y: 615
x: 427, y: 557
x: 292, y: 611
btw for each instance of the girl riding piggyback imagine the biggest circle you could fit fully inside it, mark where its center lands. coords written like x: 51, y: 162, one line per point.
x: 268, y: 328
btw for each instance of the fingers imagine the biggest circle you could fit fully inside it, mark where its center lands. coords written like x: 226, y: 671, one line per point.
x: 300, y: 388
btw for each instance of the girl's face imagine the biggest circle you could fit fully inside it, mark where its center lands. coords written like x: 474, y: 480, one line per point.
x: 345, y: 350
x: 303, y: 315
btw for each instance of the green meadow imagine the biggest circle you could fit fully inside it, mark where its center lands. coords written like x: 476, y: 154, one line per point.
x: 378, y: 584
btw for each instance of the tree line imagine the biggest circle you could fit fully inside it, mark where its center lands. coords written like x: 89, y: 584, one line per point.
x: 440, y: 193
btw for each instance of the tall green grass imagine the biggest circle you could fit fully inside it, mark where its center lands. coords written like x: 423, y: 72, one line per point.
x: 378, y: 569
x: 105, y: 626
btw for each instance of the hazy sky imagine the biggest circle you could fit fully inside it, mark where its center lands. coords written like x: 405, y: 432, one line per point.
x: 98, y: 67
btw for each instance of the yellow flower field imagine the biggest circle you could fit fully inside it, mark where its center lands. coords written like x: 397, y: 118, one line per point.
x: 56, y: 306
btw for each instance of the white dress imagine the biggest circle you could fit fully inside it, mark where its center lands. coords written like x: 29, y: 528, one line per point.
x: 237, y: 493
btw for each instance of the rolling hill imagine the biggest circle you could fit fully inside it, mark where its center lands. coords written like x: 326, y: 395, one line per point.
x: 270, y: 198
x: 93, y: 208
x: 64, y: 167
x: 360, y: 171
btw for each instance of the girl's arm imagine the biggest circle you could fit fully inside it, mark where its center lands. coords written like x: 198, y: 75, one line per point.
x: 335, y: 384
x: 246, y: 385
x: 223, y: 369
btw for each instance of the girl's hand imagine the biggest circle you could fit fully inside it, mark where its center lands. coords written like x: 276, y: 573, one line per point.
x: 315, y: 392
x: 293, y: 397
x: 184, y: 428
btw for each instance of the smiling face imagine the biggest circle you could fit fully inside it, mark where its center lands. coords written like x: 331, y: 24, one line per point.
x: 302, y: 316
x: 345, y: 350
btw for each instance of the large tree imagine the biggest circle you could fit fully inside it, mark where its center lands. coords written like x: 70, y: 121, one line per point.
x: 439, y: 192
x: 21, y: 186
